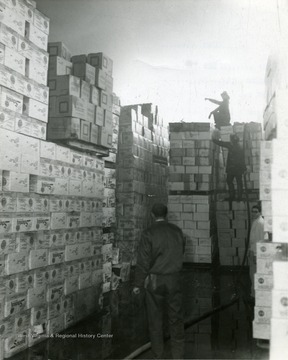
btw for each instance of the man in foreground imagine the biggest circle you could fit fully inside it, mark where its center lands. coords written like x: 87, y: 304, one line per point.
x: 159, y: 263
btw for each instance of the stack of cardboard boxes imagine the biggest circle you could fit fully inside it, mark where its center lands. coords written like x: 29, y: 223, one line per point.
x: 141, y: 178
x: 193, y: 173
x: 52, y: 246
x: 81, y: 99
x: 272, y: 258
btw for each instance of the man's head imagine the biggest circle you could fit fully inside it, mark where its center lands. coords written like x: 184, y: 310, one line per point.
x: 234, y: 138
x: 159, y: 211
x: 225, y: 95
x: 256, y: 212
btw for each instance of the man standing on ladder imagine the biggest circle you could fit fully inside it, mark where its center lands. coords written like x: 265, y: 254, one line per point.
x: 235, y: 166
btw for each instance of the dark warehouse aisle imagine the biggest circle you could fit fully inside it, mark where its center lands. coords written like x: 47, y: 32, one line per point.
x: 121, y: 328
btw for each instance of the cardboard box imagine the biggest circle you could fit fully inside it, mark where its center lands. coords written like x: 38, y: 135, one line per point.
x: 13, y: 181
x: 85, y: 72
x: 42, y: 185
x: 279, y: 337
x: 42, y: 221
x: 35, y: 109
x: 85, y: 90
x: 36, y: 296
x: 25, y: 203
x: 90, y: 112
x: 85, y: 130
x: 16, y: 262
x: 42, y: 22
x: 56, y: 256
x: 64, y: 85
x: 94, y: 95
x: 31, y: 127
x: 38, y: 258
x: 12, y: 59
x: 59, y: 49
x: 36, y: 36
x: 15, y: 343
x: 11, y: 100
x: 63, y: 128
x: 10, y: 19
x: 101, y: 61
x: 105, y: 100
x: 8, y: 37
x: 23, y: 222
x: 69, y: 106
x: 59, y: 66
x: 58, y: 220
x: 105, y: 137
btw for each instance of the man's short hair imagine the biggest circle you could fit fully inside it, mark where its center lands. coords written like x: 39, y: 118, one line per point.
x: 257, y: 207
x: 159, y: 210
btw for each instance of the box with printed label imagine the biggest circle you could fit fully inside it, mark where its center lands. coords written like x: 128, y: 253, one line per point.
x: 15, y: 343
x: 56, y: 256
x: 63, y: 128
x: 73, y: 220
x: 101, y: 61
x: 85, y: 130
x: 55, y: 292
x: 105, y: 137
x: 54, y: 309
x: 8, y: 37
x: 84, y: 280
x: 7, y: 244
x: 36, y: 36
x: 8, y: 202
x: 35, y: 109
x: 59, y: 49
x: 10, y: 19
x: 71, y: 284
x: 42, y: 184
x: 85, y: 72
x: 36, y: 296
x: 47, y: 150
x: 31, y: 127
x: 94, y: 95
x: 262, y: 314
x: 12, y: 59
x: 38, y: 258
x: 13, y: 181
x: 68, y: 105
x: 16, y: 262
x: 11, y: 100
x: 41, y: 21
x: 280, y: 303
x: 84, y: 90
x: 24, y: 281
x: 59, y: 66
x: 94, y: 134
x: 61, y: 186
x: 42, y: 221
x: 64, y: 85
x: 15, y: 304
x: 25, y: 202
x: 36, y: 72
x: 58, y: 220
x: 41, y: 204
x: 7, y: 119
x: 30, y: 163
x: 39, y: 315
x: 23, y: 222
x: 105, y: 100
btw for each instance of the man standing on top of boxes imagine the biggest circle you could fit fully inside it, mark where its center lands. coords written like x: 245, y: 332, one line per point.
x: 159, y: 263
x: 235, y: 167
x: 221, y: 113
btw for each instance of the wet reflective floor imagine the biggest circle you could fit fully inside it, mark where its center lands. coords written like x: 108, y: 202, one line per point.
x: 218, y: 323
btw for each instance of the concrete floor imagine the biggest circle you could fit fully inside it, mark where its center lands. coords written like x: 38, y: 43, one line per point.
x: 121, y: 328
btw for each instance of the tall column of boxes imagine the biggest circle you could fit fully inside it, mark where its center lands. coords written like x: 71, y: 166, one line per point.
x: 140, y: 180
x: 81, y: 97
x: 274, y: 199
x: 279, y: 201
x: 24, y: 111
x: 232, y: 221
x: 193, y: 175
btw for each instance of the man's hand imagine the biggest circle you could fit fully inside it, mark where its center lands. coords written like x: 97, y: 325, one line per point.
x: 136, y: 291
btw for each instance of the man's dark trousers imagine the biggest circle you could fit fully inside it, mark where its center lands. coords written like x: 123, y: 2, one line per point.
x: 164, y: 291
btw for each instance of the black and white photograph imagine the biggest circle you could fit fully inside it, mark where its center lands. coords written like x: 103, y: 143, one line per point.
x: 143, y: 208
